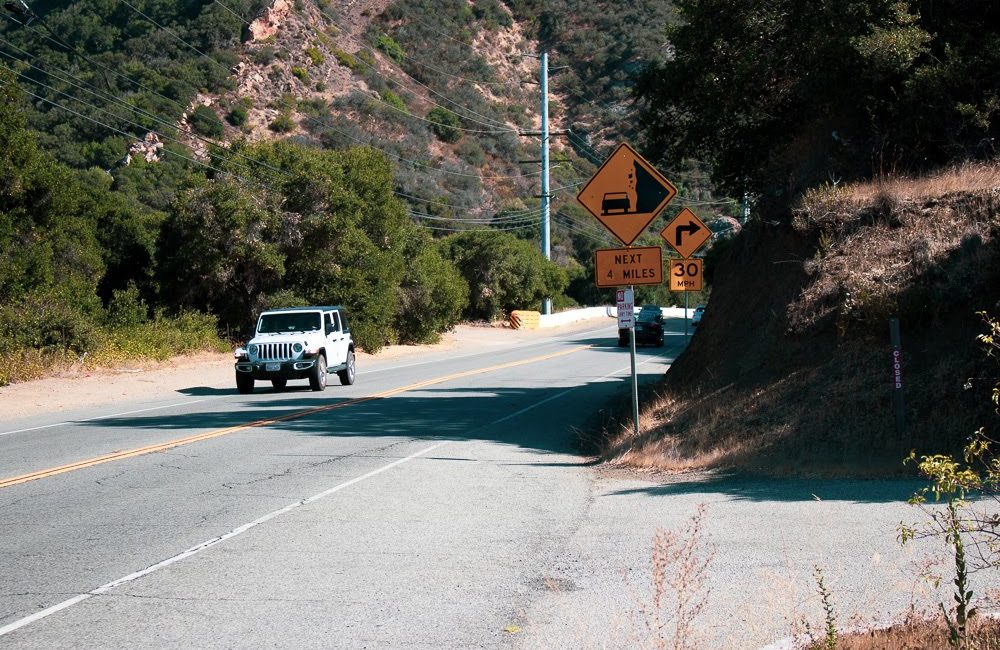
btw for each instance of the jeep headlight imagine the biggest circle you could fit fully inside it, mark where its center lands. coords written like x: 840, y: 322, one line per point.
x: 252, y: 349
x: 297, y: 348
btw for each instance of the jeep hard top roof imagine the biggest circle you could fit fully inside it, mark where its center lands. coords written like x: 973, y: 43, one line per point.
x: 316, y: 308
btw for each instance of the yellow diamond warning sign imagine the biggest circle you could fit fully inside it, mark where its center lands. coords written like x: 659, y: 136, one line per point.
x: 626, y: 194
x: 686, y: 233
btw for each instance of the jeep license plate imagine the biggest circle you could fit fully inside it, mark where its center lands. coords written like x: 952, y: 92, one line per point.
x: 272, y: 367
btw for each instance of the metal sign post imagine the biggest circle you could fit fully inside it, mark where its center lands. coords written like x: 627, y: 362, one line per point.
x: 625, y: 299
x: 685, y: 314
x: 635, y: 376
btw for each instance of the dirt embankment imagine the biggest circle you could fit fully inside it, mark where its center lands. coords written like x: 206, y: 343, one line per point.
x: 791, y: 369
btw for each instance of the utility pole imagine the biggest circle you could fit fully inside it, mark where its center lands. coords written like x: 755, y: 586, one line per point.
x: 545, y: 135
x: 546, y: 199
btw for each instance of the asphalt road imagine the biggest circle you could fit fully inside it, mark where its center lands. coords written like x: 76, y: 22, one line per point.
x: 437, y: 503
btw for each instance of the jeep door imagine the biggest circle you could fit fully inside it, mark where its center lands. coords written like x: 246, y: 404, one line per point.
x: 336, y: 340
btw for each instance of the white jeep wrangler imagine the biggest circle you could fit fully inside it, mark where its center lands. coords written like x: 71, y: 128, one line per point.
x: 297, y: 343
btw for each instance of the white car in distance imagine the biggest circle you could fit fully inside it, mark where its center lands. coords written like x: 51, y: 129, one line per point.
x: 699, y: 311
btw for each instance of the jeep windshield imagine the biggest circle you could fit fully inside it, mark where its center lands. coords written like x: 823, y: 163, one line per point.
x: 293, y: 321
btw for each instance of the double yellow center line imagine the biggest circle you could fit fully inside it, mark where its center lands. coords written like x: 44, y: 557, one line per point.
x: 179, y: 442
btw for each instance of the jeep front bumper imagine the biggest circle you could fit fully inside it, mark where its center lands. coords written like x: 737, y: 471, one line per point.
x: 295, y: 369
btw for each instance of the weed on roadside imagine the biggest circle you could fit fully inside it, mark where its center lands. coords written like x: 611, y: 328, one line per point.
x: 679, y: 587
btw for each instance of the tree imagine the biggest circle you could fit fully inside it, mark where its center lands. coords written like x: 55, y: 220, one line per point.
x: 503, y: 272
x: 432, y: 295
x: 781, y: 95
x: 222, y: 249
x: 47, y: 234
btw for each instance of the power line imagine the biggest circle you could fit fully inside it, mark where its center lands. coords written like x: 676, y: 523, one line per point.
x: 525, y: 218
x: 496, y: 126
x: 443, y: 229
x: 125, y: 133
x: 331, y: 127
x: 471, y: 49
x: 120, y: 102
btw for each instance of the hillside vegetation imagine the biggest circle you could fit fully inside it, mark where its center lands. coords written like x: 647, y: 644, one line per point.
x: 797, y: 379
x: 217, y: 158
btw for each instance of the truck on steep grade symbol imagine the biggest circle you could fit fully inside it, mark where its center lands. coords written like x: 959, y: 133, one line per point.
x: 615, y: 201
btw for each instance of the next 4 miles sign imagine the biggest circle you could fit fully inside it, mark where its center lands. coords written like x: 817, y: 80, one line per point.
x: 616, y: 267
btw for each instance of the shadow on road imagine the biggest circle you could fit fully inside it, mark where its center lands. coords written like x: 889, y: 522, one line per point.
x: 459, y: 413
x: 754, y: 488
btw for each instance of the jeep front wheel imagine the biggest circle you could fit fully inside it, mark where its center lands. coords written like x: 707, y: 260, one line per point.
x: 347, y: 374
x: 244, y: 383
x: 317, y: 378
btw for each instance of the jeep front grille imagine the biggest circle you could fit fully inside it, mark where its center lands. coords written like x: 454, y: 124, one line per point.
x: 275, y: 351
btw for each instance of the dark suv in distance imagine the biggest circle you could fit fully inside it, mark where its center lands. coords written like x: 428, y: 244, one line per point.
x: 648, y: 327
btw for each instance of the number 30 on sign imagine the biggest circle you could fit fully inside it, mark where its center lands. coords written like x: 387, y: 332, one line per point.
x: 685, y: 275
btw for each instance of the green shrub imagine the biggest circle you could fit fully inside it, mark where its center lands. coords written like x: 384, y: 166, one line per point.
x: 49, y: 319
x: 205, y: 121
x: 158, y: 339
x: 390, y: 47
x: 315, y: 55
x: 263, y: 56
x: 345, y: 59
x: 283, y: 123
x: 503, y: 272
x: 238, y: 115
x: 394, y: 100
x: 301, y: 74
x: 432, y: 296
x: 127, y: 308
x: 470, y: 151
x: 444, y: 124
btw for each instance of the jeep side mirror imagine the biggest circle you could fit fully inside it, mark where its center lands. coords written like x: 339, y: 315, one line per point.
x: 329, y: 329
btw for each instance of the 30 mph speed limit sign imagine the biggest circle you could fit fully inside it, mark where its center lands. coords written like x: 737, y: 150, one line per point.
x: 686, y: 275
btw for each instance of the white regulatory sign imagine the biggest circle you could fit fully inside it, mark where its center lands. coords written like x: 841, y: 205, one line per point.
x: 626, y: 308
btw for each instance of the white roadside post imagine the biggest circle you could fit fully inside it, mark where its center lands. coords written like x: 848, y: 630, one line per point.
x: 626, y: 320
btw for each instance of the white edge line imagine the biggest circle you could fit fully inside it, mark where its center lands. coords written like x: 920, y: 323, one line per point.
x: 194, y: 550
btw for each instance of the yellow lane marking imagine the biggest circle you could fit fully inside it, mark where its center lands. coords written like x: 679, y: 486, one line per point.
x: 163, y: 446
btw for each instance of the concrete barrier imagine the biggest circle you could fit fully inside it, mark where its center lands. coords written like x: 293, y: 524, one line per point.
x: 576, y: 315
x: 523, y: 319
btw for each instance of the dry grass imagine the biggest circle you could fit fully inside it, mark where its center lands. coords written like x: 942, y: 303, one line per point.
x: 27, y: 365
x: 877, y: 239
x: 679, y: 593
x: 918, y: 634
x: 970, y: 178
x: 845, y: 200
